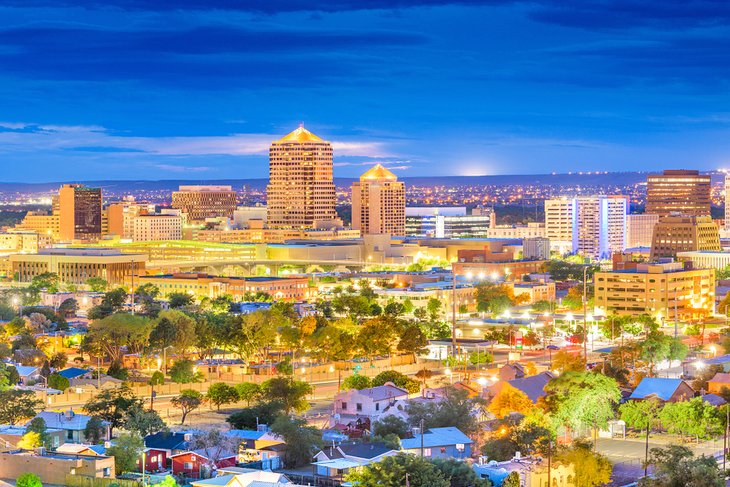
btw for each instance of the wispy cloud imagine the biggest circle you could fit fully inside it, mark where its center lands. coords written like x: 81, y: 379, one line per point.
x: 181, y: 169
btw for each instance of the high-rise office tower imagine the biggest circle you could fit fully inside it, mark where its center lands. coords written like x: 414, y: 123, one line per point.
x: 379, y: 203
x: 559, y: 224
x: 79, y: 212
x: 727, y: 201
x: 201, y: 202
x: 678, y: 191
x: 301, y: 190
x: 599, y: 225
x: 639, y: 229
x: 684, y: 233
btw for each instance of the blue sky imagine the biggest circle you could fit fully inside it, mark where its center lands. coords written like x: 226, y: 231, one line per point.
x: 132, y: 89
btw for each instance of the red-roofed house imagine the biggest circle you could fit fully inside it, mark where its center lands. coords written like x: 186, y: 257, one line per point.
x: 193, y: 464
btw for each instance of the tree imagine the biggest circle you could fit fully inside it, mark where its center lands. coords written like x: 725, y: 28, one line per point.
x: 126, y: 451
x: 433, y: 306
x: 94, y: 430
x: 38, y: 425
x: 412, y: 340
x: 510, y: 400
x: 302, y: 441
x: 248, y: 391
x: 291, y: 393
x: 221, y: 393
x: 97, y: 284
x: 590, y: 468
x: 110, y: 335
x: 332, y: 343
x: 30, y: 441
x: 46, y: 280
x: 189, y: 400
x: 376, y: 337
x: 57, y: 381
x: 168, y: 481
x: 144, y: 422
x: 214, y: 445
x: 459, y: 473
x: 112, y: 302
x: 455, y: 409
x: 58, y: 360
x: 18, y: 405
x: 113, y: 405
x: 392, y: 471
x: 179, y: 300
x: 173, y: 328
x: 512, y: 480
x: 494, y: 298
x: 356, y: 381
x: 28, y: 480
x: 694, y: 418
x: 676, y: 465
x: 398, y: 379
x: 568, y: 362
x: 183, y: 372
x: 577, y: 399
x: 641, y: 415
x: 251, y: 417
x: 391, y: 424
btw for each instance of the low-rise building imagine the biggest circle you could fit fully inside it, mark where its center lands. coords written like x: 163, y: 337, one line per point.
x: 684, y: 233
x: 148, y: 228
x: 663, y: 389
x: 657, y: 289
x: 366, y: 404
x: 533, y: 292
x: 72, y: 424
x: 199, y: 463
x: 207, y: 286
x: 336, y: 462
x: 533, y: 472
x: 447, y: 442
x: 53, y: 468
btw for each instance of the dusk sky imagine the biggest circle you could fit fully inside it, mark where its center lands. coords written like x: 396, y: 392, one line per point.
x: 132, y: 89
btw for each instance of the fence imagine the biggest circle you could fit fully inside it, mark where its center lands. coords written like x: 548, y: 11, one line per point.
x: 83, y: 481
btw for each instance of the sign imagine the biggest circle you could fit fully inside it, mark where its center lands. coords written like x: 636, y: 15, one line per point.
x: 518, y: 340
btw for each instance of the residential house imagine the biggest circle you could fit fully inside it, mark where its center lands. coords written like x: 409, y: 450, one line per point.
x: 10, y: 435
x: 199, y: 464
x: 72, y: 424
x: 713, y: 400
x: 28, y: 373
x: 447, y: 442
x: 533, y: 472
x: 664, y: 389
x: 242, y: 477
x: 533, y: 386
x: 511, y: 371
x: 160, y: 447
x: 73, y: 372
x: 335, y: 462
x: 79, y: 449
x: 720, y: 381
x: 85, y: 380
x: 366, y: 405
x: 259, y: 446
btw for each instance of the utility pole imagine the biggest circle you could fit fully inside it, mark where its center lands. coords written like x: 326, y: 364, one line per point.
x: 132, y: 286
x: 422, y: 437
x: 453, y: 311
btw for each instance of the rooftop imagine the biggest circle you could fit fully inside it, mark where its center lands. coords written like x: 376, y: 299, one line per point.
x: 300, y: 135
x: 437, y: 437
x: 378, y: 172
x: 661, y: 387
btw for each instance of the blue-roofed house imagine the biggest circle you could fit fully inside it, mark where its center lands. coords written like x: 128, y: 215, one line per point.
x: 335, y: 462
x: 664, y: 389
x: 447, y: 442
x: 72, y: 424
x: 259, y: 446
x: 73, y: 372
x: 27, y: 373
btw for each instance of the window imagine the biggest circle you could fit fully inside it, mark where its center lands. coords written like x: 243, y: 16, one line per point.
x: 344, y: 406
x: 358, y: 406
x: 377, y: 406
x: 188, y: 466
x: 107, y: 471
x: 426, y: 452
x: 70, y: 434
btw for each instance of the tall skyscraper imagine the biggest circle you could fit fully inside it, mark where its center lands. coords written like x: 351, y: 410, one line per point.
x: 599, y: 225
x: 79, y: 211
x: 559, y: 224
x: 301, y: 190
x: 727, y: 201
x: 678, y: 191
x: 201, y: 202
x: 379, y: 203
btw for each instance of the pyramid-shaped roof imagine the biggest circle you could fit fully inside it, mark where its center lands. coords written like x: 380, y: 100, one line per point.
x: 378, y: 172
x: 300, y: 135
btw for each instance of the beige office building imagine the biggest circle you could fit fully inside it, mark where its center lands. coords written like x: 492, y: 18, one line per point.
x: 559, y: 224
x: 76, y: 266
x: 301, y: 190
x: 157, y: 227
x: 23, y: 242
x: 379, y: 203
x: 657, y: 290
x: 201, y: 202
x: 640, y: 229
x: 79, y: 211
x: 682, y: 233
x: 41, y: 222
x: 678, y: 191
x: 121, y: 215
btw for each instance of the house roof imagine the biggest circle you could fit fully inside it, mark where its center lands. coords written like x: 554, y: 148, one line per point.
x: 246, y: 434
x: 26, y: 370
x: 340, y: 463
x: 533, y: 386
x: 714, y: 400
x: 203, y: 453
x: 65, y: 421
x: 721, y: 377
x: 72, y: 372
x: 364, y: 450
x: 76, y: 449
x: 661, y: 387
x: 437, y: 437
x: 719, y: 360
x: 166, y: 440
x: 387, y: 391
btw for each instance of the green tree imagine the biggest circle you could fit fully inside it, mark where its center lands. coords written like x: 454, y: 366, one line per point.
x: 183, y: 372
x: 291, y: 393
x: 68, y: 308
x: 18, y: 405
x: 220, y: 394
x: 144, y: 422
x: 58, y: 360
x: 47, y: 280
x: 122, y: 331
x: 251, y: 417
x: 494, y: 298
x: 676, y: 465
x: 412, y: 340
x: 248, y: 391
x: 376, y: 337
x: 391, y: 424
x: 126, y: 451
x: 578, y: 399
x: 694, y: 418
x: 113, y: 405
x: 332, y: 343
x: 356, y: 381
x: 459, y: 473
x: 392, y: 471
x: 30, y: 441
x: 302, y: 440
x: 173, y: 328
x: 641, y: 415
x: 510, y: 400
x: 97, y: 284
x: 512, y: 480
x: 179, y: 300
x: 38, y: 425
x: 398, y: 379
x: 57, y: 381
x: 94, y: 430
x: 590, y: 469
x: 28, y: 480
x: 187, y: 401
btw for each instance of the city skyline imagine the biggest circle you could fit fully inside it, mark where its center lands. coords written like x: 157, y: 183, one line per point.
x: 106, y: 92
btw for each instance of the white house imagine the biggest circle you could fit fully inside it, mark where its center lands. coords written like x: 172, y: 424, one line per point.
x: 335, y: 462
x: 367, y: 404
